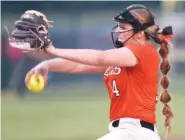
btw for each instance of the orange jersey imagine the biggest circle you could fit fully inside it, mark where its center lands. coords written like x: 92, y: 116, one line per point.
x: 133, y: 90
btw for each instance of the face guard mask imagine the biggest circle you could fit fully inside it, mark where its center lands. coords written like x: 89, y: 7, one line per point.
x: 117, y: 42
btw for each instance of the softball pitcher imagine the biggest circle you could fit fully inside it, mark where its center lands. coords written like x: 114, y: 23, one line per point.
x: 130, y: 69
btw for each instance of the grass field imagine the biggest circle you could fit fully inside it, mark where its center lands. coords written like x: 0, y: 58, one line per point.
x: 52, y: 116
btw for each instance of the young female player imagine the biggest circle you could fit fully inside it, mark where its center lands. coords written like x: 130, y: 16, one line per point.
x: 130, y: 73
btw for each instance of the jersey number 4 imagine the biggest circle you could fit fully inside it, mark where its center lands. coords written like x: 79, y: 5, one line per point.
x: 114, y: 88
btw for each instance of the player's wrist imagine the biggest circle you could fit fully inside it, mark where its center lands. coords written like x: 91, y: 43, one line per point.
x: 50, y: 49
x: 45, y: 64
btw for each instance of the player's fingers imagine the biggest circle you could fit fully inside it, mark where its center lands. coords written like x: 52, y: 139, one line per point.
x: 27, y: 78
x: 45, y: 78
x: 45, y: 75
x: 36, y: 73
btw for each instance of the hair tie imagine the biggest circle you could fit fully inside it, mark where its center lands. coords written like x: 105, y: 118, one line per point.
x: 167, y: 33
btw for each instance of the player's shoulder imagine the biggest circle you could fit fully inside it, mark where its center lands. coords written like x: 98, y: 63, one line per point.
x: 150, y: 54
x: 147, y: 49
x: 151, y: 49
x: 139, y: 50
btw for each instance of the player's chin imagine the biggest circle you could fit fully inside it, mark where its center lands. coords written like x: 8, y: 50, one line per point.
x: 120, y: 39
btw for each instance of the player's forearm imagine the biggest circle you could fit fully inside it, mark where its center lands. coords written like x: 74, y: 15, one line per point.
x: 66, y: 66
x: 83, y: 56
x: 60, y: 65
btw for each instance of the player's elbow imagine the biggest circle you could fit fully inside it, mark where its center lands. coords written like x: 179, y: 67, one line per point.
x: 133, y: 61
x: 100, y: 59
x: 129, y: 59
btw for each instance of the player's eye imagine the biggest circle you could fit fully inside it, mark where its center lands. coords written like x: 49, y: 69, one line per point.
x: 122, y: 27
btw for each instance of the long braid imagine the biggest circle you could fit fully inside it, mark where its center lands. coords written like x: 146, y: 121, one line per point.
x: 154, y: 33
x: 165, y: 96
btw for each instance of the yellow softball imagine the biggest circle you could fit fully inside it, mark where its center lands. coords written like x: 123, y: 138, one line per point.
x: 34, y: 85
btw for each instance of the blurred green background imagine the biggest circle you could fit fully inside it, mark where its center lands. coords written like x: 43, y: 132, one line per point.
x: 76, y: 107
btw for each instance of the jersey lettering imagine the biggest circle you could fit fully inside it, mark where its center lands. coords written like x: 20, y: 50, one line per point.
x: 114, y: 88
x: 112, y: 71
